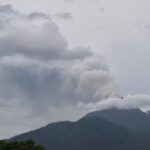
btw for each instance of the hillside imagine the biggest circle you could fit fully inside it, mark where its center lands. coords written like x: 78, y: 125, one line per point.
x: 135, y: 120
x: 132, y: 119
x: 111, y: 129
x: 88, y: 133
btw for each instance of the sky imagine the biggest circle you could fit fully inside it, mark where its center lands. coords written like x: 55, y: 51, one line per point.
x: 61, y: 59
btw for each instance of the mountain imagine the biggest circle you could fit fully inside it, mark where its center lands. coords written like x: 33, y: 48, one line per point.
x: 92, y: 133
x: 148, y: 112
x: 135, y: 120
x: 111, y: 129
x: 132, y: 119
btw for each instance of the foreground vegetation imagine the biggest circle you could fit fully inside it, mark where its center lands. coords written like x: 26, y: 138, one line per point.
x: 25, y: 145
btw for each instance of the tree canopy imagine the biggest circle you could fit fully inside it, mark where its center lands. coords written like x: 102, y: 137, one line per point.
x: 25, y: 145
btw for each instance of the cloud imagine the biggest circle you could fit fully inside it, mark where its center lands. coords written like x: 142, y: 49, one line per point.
x: 42, y: 79
x: 34, y: 35
x: 41, y: 75
x: 140, y: 101
x: 101, y: 9
x: 56, y: 83
x: 67, y: 1
x: 37, y: 61
x: 64, y: 15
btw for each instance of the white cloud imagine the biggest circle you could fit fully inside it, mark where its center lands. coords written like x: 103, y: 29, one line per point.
x: 129, y: 102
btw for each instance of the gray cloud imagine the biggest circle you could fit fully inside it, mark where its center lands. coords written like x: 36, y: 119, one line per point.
x: 41, y: 75
x: 38, y: 15
x: 67, y: 1
x: 56, y: 83
x: 101, y: 9
x: 64, y: 15
x: 42, y: 79
x: 34, y: 35
x: 37, y: 62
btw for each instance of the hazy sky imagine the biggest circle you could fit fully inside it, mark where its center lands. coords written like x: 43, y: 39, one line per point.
x: 60, y: 59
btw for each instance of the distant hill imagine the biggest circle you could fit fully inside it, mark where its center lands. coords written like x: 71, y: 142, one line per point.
x: 92, y: 133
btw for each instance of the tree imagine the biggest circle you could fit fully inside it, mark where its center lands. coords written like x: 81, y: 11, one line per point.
x: 25, y: 145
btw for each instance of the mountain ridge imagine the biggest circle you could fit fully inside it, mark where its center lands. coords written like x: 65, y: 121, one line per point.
x: 110, y: 129
x: 132, y: 119
x: 86, y: 133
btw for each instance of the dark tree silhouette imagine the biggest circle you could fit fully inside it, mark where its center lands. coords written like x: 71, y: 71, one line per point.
x: 25, y: 145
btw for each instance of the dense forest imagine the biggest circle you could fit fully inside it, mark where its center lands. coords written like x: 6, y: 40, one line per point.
x: 24, y: 145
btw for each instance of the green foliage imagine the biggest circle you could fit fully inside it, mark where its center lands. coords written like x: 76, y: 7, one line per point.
x: 25, y: 145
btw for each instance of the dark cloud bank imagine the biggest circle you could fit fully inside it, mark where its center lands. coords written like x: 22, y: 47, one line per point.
x: 42, y: 77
